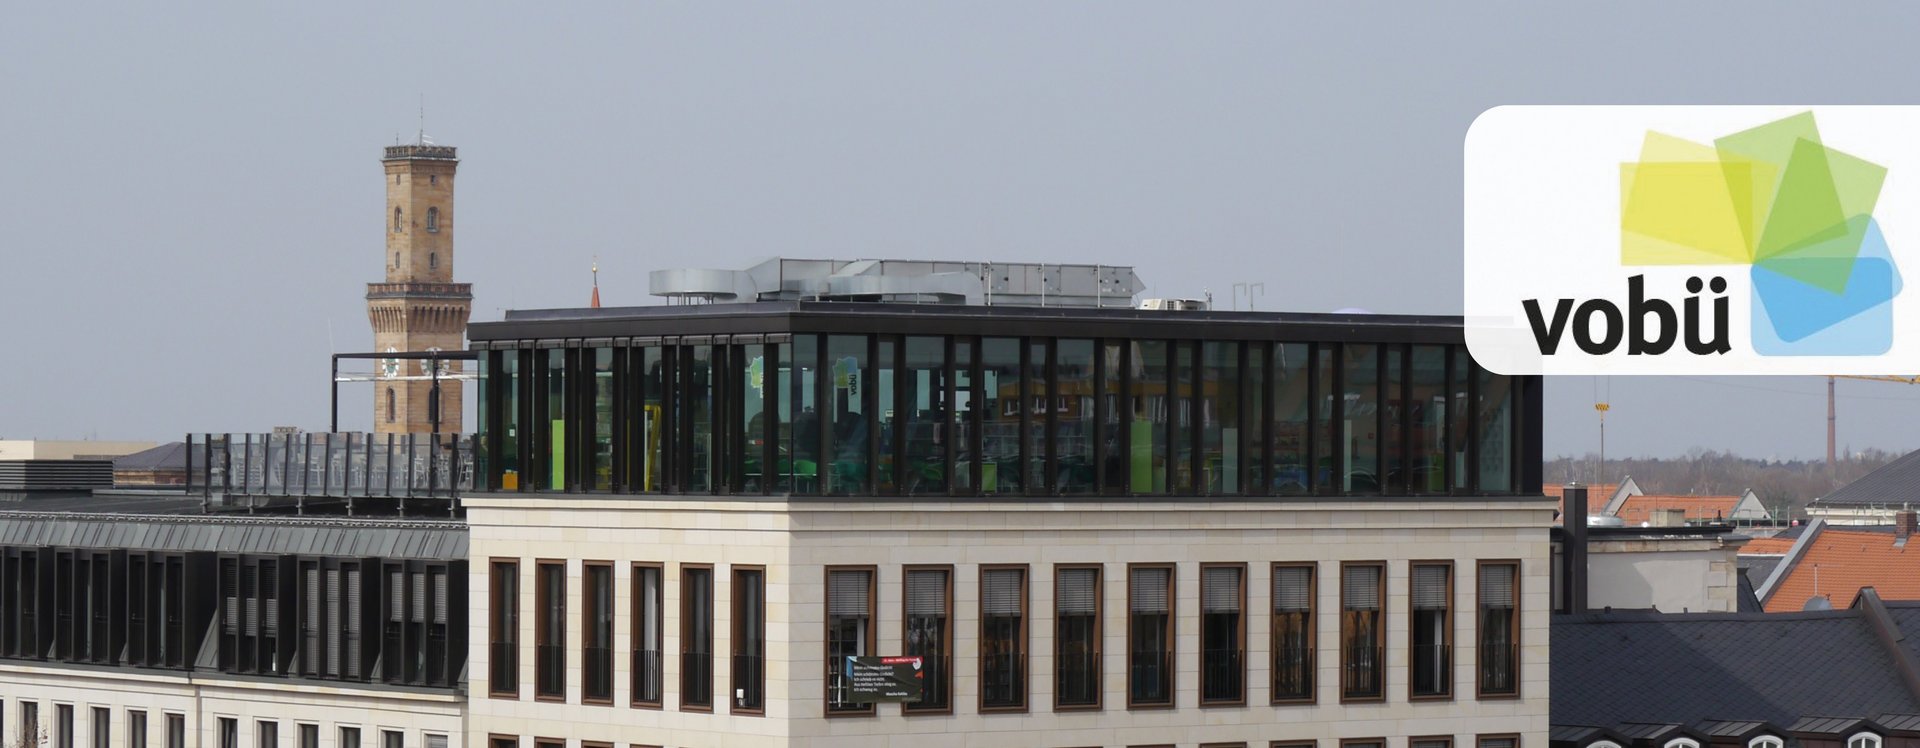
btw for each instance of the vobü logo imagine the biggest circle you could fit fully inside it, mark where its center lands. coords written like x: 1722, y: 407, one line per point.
x: 1771, y: 205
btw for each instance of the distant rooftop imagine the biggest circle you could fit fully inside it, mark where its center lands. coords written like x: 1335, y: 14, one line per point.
x: 420, y: 151
x: 906, y: 281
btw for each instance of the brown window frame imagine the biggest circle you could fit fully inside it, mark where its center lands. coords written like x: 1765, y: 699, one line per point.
x: 826, y: 632
x: 1479, y: 677
x: 595, y: 744
x: 686, y: 617
x: 1379, y: 634
x: 496, y: 636
x: 1446, y: 633
x: 542, y: 637
x: 1170, y: 630
x: 1021, y: 640
x: 494, y: 740
x: 549, y: 743
x: 1514, y: 736
x: 1229, y: 743
x: 1099, y: 637
x: 639, y: 605
x: 1448, y: 739
x: 736, y: 636
x: 1293, y: 744
x: 1312, y: 636
x: 1240, y: 636
x: 587, y: 613
x: 1351, y: 742
x: 946, y: 646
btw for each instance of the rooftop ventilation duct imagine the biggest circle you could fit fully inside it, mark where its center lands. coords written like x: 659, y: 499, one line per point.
x: 905, y: 282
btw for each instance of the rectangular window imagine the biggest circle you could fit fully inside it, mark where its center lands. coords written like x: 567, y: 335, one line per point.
x: 1288, y: 431
x: 1437, y: 741
x: 393, y: 739
x: 849, y: 633
x: 1362, y: 632
x: 503, y: 629
x: 102, y: 727
x: 136, y: 728
x: 1076, y: 636
x: 268, y: 734
x: 550, y: 631
x: 1003, y: 638
x: 749, y: 639
x: 30, y: 721
x: 436, y: 741
x: 1073, y: 412
x: 1219, y: 417
x: 1499, y: 628
x: 696, y: 637
x: 1360, y: 459
x: 1000, y: 467
x: 63, y: 726
x: 177, y: 731
x: 929, y: 635
x: 1494, y: 418
x: 923, y: 388
x: 503, y: 741
x: 646, y: 634
x: 1223, y: 669
x: 1293, y: 628
x: 1427, y: 400
x: 1430, y: 650
x: 349, y: 737
x: 229, y: 732
x: 1500, y: 741
x: 1150, y: 636
x: 851, y: 436
x: 1147, y: 423
x: 596, y: 633
x: 309, y: 736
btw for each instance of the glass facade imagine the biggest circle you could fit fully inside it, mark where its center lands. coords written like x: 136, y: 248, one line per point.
x: 962, y: 415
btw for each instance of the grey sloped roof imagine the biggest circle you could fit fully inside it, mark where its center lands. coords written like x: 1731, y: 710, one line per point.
x: 1895, y: 483
x: 169, y: 456
x: 1685, y: 668
x: 1833, y: 725
x: 1900, y: 722
x: 1736, y: 728
x: 1580, y: 735
x: 420, y: 539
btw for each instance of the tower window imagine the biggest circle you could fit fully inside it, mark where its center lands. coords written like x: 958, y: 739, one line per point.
x: 390, y: 405
x: 433, y: 179
x: 433, y: 219
x: 396, y: 220
x: 433, y: 260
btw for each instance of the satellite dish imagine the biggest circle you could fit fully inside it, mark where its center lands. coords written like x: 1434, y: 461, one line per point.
x: 1818, y: 602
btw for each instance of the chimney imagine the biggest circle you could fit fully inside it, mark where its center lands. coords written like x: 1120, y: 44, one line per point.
x: 1573, y: 520
x: 1905, y: 522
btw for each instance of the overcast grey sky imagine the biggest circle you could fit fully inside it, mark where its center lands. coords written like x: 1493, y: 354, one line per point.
x: 191, y: 199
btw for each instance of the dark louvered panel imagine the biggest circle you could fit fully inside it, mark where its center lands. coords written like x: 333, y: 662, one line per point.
x: 55, y: 475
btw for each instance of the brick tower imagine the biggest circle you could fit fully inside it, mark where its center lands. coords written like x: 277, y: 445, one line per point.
x: 419, y: 307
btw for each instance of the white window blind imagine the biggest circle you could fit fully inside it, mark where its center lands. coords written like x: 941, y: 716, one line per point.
x: 336, y: 611
x: 1147, y: 591
x: 1430, y: 587
x: 1360, y: 588
x: 250, y: 599
x: 1000, y: 592
x: 1078, y: 591
x: 419, y: 597
x: 1496, y: 586
x: 847, y: 592
x: 1292, y: 589
x: 396, y: 596
x: 440, y: 597
x: 927, y: 592
x: 1220, y: 589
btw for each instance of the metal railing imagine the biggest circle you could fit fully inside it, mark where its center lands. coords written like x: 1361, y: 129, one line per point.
x: 935, y: 689
x: 1223, y: 675
x: 696, y: 678
x: 646, y: 676
x: 233, y: 470
x: 1078, y: 678
x: 597, y: 673
x: 550, y: 670
x: 503, y: 667
x: 1003, y: 680
x: 1293, y: 673
x: 1360, y: 672
x: 1500, y: 668
x: 749, y: 682
x: 1432, y: 669
x: 1149, y: 679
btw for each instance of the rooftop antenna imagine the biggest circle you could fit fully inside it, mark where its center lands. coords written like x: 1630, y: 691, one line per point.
x: 423, y: 121
x: 596, y: 282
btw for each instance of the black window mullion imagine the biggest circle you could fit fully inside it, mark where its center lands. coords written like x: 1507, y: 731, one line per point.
x: 950, y: 388
x: 1100, y: 431
x: 1123, y: 419
x: 1405, y: 396
x: 825, y: 405
x: 1050, y: 433
x: 976, y: 389
x: 901, y: 372
x: 1337, y: 404
x: 1473, y: 426
x: 770, y: 414
x: 1026, y: 415
x: 870, y: 406
x: 1196, y: 479
x: 1241, y: 416
x: 1170, y: 382
x: 1380, y: 380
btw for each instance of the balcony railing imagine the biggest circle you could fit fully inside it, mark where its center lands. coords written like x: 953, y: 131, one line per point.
x: 1360, y: 671
x: 696, y: 679
x: 1223, y: 675
x: 503, y: 667
x: 1499, y: 668
x: 646, y: 676
x: 1292, y: 674
x: 1078, y: 675
x: 1431, y: 669
x: 1003, y: 680
x: 1149, y: 679
x: 550, y: 670
x: 597, y: 674
x: 749, y: 682
x: 243, y: 471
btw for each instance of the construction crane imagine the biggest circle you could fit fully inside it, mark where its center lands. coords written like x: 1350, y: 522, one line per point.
x: 1862, y: 377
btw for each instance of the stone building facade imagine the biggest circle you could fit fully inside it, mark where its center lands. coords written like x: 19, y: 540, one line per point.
x: 418, y: 307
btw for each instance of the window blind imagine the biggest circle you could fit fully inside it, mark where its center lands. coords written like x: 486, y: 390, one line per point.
x: 1430, y: 587
x: 1000, y: 592
x: 440, y: 597
x: 230, y: 592
x: 1078, y: 591
x: 396, y: 596
x: 927, y: 592
x: 1147, y: 591
x: 1220, y: 589
x: 1360, y: 588
x: 419, y: 597
x: 250, y: 599
x: 847, y: 592
x: 337, y: 612
x: 1292, y: 589
x: 1496, y: 586
x: 1497, y: 743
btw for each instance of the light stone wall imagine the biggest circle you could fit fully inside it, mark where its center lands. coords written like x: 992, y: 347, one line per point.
x: 202, y: 700
x: 1672, y: 575
x: 796, y: 541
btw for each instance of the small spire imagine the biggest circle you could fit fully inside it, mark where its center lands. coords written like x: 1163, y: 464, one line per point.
x: 595, y: 304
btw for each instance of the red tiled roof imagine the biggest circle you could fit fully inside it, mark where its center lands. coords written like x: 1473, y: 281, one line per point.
x: 1638, y: 509
x: 1767, y: 547
x: 1848, y: 560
